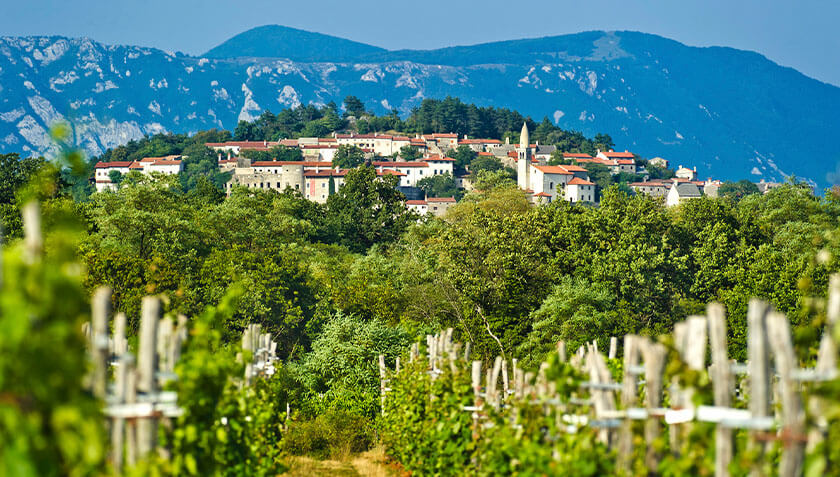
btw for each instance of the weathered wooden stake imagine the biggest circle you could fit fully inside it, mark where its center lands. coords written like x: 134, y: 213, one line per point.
x: 146, y: 367
x: 382, y: 370
x: 826, y: 363
x: 100, y: 312
x: 628, y: 400
x: 613, y: 347
x: 759, y: 375
x: 32, y: 238
x: 653, y: 355
x: 126, y: 363
x: 793, y: 415
x: 721, y: 377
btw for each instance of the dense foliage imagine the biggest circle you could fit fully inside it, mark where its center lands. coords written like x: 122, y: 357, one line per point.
x: 340, y: 283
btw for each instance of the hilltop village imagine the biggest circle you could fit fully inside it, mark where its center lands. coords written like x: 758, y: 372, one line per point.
x: 542, y: 171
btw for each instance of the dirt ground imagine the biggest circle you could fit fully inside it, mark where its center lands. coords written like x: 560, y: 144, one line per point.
x: 373, y: 463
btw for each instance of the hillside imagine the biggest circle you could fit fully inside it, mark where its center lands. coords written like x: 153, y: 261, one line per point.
x: 733, y: 114
x: 275, y: 41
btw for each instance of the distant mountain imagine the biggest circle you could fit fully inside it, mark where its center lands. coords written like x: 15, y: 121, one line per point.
x: 733, y: 114
x: 275, y: 41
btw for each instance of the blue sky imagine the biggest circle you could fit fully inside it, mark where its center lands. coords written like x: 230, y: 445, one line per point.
x: 797, y: 33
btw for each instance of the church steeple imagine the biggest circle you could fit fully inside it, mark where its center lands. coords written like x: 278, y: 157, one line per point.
x: 524, y: 140
x: 523, y: 164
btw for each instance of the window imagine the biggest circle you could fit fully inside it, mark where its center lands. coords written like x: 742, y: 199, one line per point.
x: 551, y: 185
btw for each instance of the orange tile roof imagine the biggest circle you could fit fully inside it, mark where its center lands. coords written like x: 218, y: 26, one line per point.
x: 618, y: 154
x: 450, y: 200
x: 437, y: 158
x: 579, y: 181
x: 576, y: 154
x: 415, y: 202
x: 552, y: 170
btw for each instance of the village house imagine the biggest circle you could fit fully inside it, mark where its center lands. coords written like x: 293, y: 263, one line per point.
x: 681, y: 192
x: 616, y: 162
x: 166, y: 165
x: 658, y: 162
x: 436, y: 206
x: 686, y: 173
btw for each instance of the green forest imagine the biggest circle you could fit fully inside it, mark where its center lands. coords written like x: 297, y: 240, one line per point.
x: 339, y: 284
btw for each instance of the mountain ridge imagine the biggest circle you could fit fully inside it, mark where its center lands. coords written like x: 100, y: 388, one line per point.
x: 734, y: 114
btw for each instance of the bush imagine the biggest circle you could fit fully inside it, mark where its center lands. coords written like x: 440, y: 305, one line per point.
x: 335, y: 435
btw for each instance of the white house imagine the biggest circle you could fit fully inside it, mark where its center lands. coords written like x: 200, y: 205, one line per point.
x: 167, y: 165
x: 686, y: 173
x: 102, y: 173
x: 681, y: 192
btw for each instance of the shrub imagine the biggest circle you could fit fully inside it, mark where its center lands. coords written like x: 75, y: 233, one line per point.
x: 335, y: 434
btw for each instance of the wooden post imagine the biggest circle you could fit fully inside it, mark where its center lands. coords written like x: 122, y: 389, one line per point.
x: 126, y: 362
x: 826, y: 363
x: 793, y: 415
x: 146, y: 367
x: 475, y: 377
x: 467, y: 350
x: 653, y: 355
x: 119, y: 341
x: 561, y: 351
x: 248, y: 345
x: 100, y: 311
x: 628, y: 400
x: 603, y: 399
x: 32, y: 238
x: 165, y: 330
x: 131, y: 451
x: 613, y: 347
x: 382, y: 382
x: 721, y: 377
x: 505, y: 380
x: 125, y: 366
x: 758, y: 373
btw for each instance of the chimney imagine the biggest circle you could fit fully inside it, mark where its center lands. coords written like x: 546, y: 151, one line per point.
x: 265, y: 143
x: 220, y: 156
x: 229, y: 154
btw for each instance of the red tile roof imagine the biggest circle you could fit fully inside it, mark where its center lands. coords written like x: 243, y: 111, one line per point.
x: 579, y: 181
x: 542, y: 194
x: 437, y: 158
x: 292, y: 163
x: 415, y: 202
x: 577, y: 154
x: 400, y: 164
x: 449, y: 200
x: 107, y: 165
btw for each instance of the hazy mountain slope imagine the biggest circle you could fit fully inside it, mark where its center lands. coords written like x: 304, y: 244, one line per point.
x: 733, y: 114
x: 275, y: 41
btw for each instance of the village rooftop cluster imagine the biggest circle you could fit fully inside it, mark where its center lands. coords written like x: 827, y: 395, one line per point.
x: 316, y: 178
